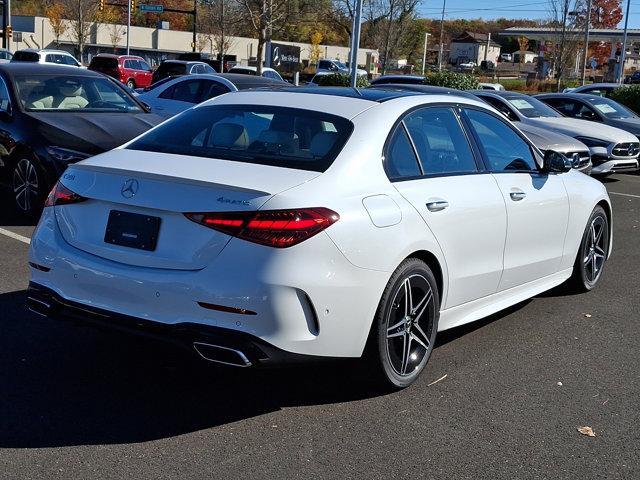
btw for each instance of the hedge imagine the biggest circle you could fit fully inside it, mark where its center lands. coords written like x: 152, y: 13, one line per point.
x: 448, y: 79
x: 628, y: 96
x: 341, y: 80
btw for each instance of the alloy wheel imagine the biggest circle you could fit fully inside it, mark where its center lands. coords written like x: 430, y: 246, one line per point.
x: 595, y: 249
x: 26, y: 185
x: 410, y: 325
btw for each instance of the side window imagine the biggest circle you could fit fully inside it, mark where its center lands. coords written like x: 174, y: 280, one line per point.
x: 186, y: 91
x: 168, y: 93
x: 401, y: 161
x: 4, y: 96
x: 128, y: 64
x: 212, y: 89
x: 440, y: 141
x: 144, y: 66
x: 69, y: 60
x: 198, y: 69
x: 502, y: 108
x: 502, y: 146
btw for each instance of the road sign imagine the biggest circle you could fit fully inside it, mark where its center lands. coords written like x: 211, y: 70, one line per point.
x: 594, y: 63
x: 151, y: 8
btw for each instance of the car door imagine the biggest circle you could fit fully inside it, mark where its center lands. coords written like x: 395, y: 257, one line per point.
x: 434, y: 166
x: 537, y: 202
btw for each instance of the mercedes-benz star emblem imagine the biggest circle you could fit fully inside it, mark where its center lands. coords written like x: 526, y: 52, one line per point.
x: 576, y: 159
x: 130, y: 188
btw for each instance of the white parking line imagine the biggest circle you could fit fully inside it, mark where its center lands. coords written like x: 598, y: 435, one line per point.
x: 625, y: 194
x: 15, y: 236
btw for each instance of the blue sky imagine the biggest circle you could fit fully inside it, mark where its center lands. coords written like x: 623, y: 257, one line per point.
x: 505, y: 8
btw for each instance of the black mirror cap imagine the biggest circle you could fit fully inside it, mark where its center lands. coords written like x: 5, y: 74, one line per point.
x: 556, y: 162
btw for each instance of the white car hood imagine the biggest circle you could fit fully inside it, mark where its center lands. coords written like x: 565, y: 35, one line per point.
x: 575, y: 127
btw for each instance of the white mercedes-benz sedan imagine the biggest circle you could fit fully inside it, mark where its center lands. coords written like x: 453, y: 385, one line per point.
x: 269, y: 226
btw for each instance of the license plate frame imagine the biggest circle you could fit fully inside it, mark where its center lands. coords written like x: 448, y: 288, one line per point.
x: 132, y: 230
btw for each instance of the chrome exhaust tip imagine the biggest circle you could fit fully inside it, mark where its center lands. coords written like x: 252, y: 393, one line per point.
x: 220, y: 354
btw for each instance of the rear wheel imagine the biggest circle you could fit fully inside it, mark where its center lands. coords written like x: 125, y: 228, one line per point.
x: 131, y: 84
x: 592, y: 254
x: 405, y: 326
x: 29, y: 187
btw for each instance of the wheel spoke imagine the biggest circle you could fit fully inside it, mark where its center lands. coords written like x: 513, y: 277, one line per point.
x: 599, y: 235
x: 599, y: 250
x: 407, y: 297
x: 587, y: 259
x: 594, y: 267
x: 393, y: 327
x: 406, y: 354
x: 425, y: 340
x: 423, y: 305
x: 593, y: 234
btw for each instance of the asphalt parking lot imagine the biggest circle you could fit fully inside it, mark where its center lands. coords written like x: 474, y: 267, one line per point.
x: 78, y: 403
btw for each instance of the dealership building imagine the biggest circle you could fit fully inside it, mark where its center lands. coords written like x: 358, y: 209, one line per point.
x: 156, y: 44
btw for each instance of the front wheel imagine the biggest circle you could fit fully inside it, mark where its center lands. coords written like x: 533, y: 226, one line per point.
x: 592, y: 254
x: 405, y: 326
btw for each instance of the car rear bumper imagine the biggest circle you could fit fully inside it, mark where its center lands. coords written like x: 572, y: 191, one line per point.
x: 308, y: 299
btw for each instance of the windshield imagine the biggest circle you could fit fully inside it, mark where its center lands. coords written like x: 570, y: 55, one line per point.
x: 611, y: 109
x: 532, y: 107
x: 278, y: 136
x: 62, y: 93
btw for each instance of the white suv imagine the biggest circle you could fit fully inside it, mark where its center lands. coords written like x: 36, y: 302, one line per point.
x: 59, y: 57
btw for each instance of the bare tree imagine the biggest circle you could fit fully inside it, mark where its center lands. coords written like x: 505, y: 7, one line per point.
x: 112, y: 17
x: 567, y: 35
x: 398, y: 15
x: 81, y: 14
x: 220, y: 20
x: 267, y: 17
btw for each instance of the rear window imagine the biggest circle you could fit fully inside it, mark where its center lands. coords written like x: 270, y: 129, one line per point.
x: 103, y: 63
x: 25, y: 57
x: 171, y: 69
x: 266, y: 135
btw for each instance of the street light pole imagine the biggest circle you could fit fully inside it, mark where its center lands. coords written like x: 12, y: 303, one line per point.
x: 624, y: 44
x: 128, y: 23
x: 444, y: 5
x: 355, y: 44
x: 586, y: 43
x: 424, y: 53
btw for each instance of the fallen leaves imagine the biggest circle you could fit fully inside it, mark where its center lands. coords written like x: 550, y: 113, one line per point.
x: 588, y: 431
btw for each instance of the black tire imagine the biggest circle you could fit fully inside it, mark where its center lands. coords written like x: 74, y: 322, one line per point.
x: 403, y: 334
x: 131, y: 83
x: 592, y: 254
x: 29, y: 186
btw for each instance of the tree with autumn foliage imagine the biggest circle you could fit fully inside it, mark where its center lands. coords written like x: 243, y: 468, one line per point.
x: 604, y: 14
x: 56, y: 15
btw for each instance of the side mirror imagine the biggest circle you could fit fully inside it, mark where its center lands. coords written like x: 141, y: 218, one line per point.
x: 556, y: 162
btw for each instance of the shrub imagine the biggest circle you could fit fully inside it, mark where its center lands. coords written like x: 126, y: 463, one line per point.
x: 341, y: 80
x: 628, y: 96
x: 448, y: 79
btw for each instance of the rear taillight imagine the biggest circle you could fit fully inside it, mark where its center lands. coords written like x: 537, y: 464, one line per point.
x: 61, y: 195
x: 274, y: 228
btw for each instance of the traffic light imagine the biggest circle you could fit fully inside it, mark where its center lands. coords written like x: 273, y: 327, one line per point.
x: 9, y: 31
x: 101, y: 6
x: 133, y: 5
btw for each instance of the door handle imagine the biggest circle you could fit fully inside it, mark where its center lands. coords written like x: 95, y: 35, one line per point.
x: 517, y: 195
x: 437, y: 205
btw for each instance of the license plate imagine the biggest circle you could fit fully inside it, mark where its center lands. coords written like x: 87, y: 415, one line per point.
x: 132, y: 230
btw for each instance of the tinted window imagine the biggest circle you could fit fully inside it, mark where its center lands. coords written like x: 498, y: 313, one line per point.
x: 186, y: 91
x: 103, y: 63
x: 572, y: 108
x: 502, y: 146
x: 401, y: 161
x: 4, y: 96
x: 611, y: 109
x: 23, y: 56
x: 440, y: 141
x: 211, y: 89
x: 270, y: 74
x: 128, y: 64
x: 169, y: 69
x: 144, y: 65
x: 68, y: 60
x: 278, y: 136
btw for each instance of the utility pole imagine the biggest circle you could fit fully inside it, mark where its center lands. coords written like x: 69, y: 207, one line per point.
x: 5, y: 38
x: 440, y: 53
x: 585, y: 52
x: 424, y: 52
x: 623, y: 54
x: 128, y: 22
x: 486, y: 50
x: 355, y: 44
x: 195, y: 23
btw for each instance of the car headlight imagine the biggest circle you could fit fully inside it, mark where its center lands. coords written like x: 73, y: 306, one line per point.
x: 593, y: 142
x: 65, y: 155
